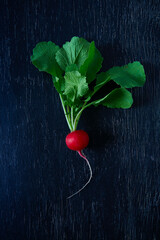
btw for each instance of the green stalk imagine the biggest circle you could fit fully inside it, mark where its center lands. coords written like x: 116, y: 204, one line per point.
x: 69, y: 115
x: 72, y: 116
x: 66, y: 114
x: 79, y: 114
x: 77, y: 119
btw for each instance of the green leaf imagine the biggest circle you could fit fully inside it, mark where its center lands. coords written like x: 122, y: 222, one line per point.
x: 128, y: 76
x: 75, y: 86
x: 94, y: 67
x: 58, y: 84
x: 72, y: 67
x: 89, y: 59
x: 102, y: 79
x: 92, y: 64
x: 73, y: 52
x: 118, y: 98
x: 43, y: 58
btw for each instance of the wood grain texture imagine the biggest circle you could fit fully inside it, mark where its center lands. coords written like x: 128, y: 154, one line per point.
x: 37, y: 171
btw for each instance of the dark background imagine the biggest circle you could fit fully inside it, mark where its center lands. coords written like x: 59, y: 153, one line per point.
x: 37, y: 171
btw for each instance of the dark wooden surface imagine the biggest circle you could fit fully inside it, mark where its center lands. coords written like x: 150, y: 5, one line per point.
x: 37, y: 171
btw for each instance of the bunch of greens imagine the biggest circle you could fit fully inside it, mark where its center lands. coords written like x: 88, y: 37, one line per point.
x: 75, y: 66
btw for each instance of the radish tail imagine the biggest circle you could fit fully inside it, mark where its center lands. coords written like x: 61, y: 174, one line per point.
x: 90, y: 169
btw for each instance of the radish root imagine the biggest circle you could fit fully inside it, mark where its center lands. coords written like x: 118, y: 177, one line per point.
x: 90, y: 169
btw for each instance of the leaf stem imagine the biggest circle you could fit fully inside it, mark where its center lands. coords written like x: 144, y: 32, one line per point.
x: 72, y: 116
x: 79, y: 114
x: 97, y: 89
x: 65, y: 113
x: 68, y: 112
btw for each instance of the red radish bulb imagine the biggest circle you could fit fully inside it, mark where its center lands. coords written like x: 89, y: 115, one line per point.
x: 77, y: 140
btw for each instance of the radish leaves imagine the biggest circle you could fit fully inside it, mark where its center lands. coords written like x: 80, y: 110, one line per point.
x: 74, y: 66
x: 128, y: 76
x: 43, y: 58
x: 75, y: 86
x: 73, y: 52
x: 118, y: 98
x: 92, y: 64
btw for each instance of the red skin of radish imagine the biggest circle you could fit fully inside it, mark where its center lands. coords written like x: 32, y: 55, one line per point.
x: 77, y: 140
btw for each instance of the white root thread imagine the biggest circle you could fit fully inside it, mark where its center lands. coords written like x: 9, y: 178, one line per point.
x: 90, y: 169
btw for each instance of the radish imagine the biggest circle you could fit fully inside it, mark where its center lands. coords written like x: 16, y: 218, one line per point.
x: 77, y: 141
x: 74, y: 69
